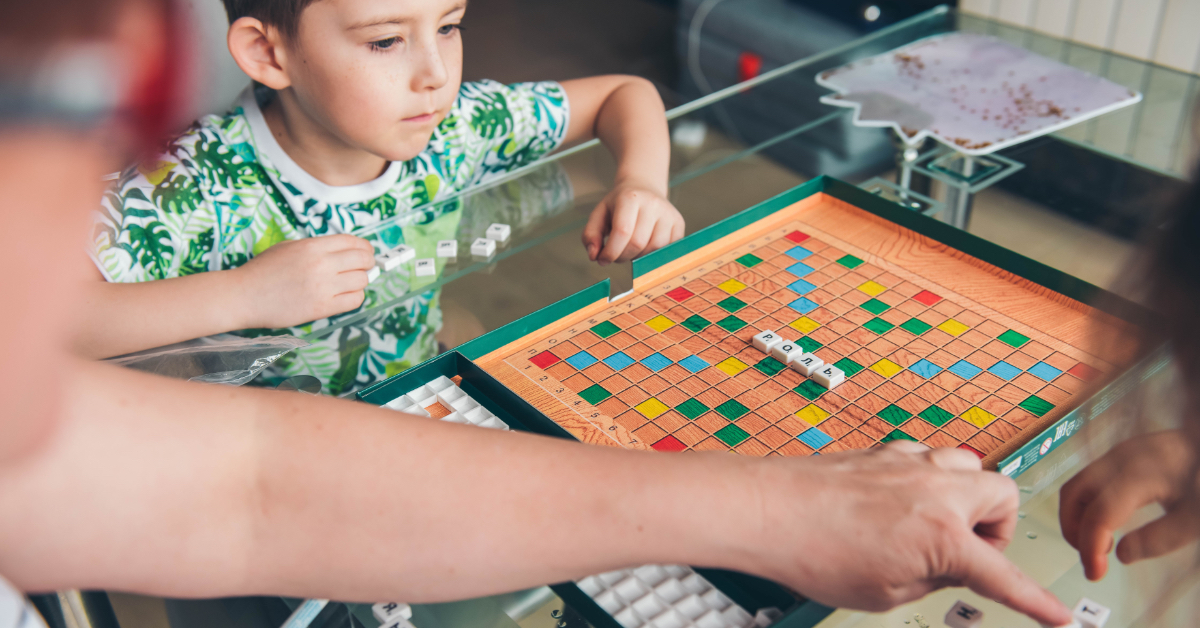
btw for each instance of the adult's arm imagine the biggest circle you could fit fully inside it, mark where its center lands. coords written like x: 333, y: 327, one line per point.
x: 178, y: 489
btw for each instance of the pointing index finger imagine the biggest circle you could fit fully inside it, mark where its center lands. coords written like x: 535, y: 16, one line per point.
x: 988, y: 573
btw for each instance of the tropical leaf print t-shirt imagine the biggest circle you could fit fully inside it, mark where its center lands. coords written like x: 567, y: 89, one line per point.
x: 225, y: 191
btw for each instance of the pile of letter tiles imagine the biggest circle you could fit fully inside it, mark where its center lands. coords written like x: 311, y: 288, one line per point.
x: 666, y: 596
x: 458, y: 405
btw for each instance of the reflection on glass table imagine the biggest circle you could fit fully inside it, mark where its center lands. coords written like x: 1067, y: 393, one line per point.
x: 730, y: 154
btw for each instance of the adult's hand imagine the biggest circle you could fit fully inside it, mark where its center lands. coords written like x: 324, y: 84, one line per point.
x: 875, y: 529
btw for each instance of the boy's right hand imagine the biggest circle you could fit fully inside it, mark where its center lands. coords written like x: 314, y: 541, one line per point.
x: 298, y: 281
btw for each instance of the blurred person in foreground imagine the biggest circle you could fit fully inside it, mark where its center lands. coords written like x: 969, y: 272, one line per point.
x: 111, y: 479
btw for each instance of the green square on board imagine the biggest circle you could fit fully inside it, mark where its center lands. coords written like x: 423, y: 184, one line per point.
x: 749, y: 261
x: 916, y: 326
x: 878, y: 325
x: 731, y: 435
x: 605, y: 329
x: 810, y: 390
x: 808, y: 344
x: 894, y: 414
x: 696, y: 323
x: 896, y: 435
x: 732, y: 304
x: 594, y: 394
x: 875, y: 306
x: 850, y: 261
x: 732, y: 409
x: 731, y: 323
x: 1036, y: 405
x: 770, y: 366
x: 1013, y: 338
x: 848, y: 366
x: 935, y: 416
x: 692, y: 408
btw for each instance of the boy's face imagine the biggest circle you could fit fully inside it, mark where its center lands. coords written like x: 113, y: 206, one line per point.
x: 379, y: 75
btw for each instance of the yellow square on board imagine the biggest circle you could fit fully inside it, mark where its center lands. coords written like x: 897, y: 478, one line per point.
x: 953, y: 327
x: 886, y: 367
x: 732, y: 366
x: 660, y: 323
x: 732, y: 286
x: 804, y: 325
x: 812, y: 414
x: 978, y: 417
x: 872, y: 288
x: 651, y: 408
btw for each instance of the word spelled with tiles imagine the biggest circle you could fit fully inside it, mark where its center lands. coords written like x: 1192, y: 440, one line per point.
x: 792, y: 345
x: 442, y: 399
x: 666, y: 596
x: 392, y: 614
x: 963, y: 615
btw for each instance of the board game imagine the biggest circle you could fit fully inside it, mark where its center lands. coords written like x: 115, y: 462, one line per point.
x: 936, y: 346
x: 942, y: 338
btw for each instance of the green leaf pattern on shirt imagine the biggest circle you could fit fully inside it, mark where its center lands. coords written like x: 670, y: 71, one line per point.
x: 213, y: 200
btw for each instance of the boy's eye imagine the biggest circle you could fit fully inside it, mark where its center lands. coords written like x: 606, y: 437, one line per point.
x: 449, y: 28
x: 383, y: 44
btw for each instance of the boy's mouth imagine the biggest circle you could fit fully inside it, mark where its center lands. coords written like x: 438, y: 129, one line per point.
x: 423, y: 118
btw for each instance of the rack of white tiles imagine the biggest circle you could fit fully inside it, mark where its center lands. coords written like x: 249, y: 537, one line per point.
x: 666, y: 596
x: 460, y: 406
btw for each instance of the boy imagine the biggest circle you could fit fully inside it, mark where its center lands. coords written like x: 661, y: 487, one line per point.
x: 359, y: 116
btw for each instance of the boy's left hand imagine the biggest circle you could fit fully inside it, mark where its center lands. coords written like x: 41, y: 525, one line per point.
x: 636, y: 220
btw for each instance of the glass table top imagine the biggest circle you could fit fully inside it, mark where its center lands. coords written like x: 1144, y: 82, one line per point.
x: 742, y: 145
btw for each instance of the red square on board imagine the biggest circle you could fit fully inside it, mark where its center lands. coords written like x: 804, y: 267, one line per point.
x: 797, y: 237
x: 1084, y: 372
x: 681, y: 294
x: 669, y: 443
x: 971, y: 449
x: 544, y: 359
x: 926, y: 297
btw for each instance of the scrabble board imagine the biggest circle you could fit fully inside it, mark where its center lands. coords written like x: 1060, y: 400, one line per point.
x: 944, y: 339
x: 937, y: 346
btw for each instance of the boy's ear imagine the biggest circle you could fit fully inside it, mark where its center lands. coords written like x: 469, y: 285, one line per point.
x: 259, y: 51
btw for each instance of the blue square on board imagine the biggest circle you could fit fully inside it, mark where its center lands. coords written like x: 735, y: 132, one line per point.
x: 803, y: 305
x: 656, y: 362
x: 965, y: 369
x: 798, y: 269
x: 1004, y: 370
x: 798, y: 253
x: 801, y: 287
x: 1045, y: 371
x: 581, y: 360
x: 925, y: 369
x: 815, y: 438
x: 618, y: 360
x: 693, y: 364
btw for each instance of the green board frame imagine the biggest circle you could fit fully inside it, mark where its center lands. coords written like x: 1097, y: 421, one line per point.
x: 754, y: 593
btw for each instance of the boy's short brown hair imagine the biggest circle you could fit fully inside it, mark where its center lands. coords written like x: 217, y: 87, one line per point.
x: 282, y: 14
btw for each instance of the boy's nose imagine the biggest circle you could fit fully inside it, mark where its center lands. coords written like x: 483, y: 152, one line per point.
x: 430, y: 73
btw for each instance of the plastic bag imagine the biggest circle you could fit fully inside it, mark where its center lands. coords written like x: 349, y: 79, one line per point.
x: 220, y: 359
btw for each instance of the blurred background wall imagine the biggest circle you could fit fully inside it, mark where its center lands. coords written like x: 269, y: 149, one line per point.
x: 1163, y: 31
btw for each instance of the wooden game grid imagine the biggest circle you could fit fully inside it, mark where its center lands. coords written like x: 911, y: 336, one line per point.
x: 764, y: 410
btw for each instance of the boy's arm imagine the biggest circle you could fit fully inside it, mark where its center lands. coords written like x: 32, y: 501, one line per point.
x: 170, y: 488
x: 627, y: 114
x: 289, y: 284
